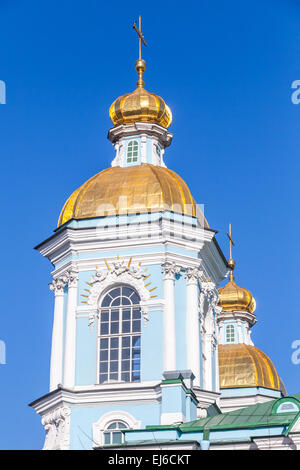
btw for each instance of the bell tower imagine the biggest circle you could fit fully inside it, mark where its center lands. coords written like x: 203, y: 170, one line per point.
x: 136, y: 270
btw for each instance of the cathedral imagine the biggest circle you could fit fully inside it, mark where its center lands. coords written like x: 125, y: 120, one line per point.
x: 147, y: 352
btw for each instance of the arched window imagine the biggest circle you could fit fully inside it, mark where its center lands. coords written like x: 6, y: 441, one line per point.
x: 158, y: 152
x: 113, y: 434
x: 132, y: 151
x: 120, y: 336
x: 230, y: 334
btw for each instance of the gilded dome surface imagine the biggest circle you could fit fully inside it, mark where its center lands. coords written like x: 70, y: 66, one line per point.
x: 234, y: 297
x: 242, y: 365
x: 129, y: 190
x: 140, y: 105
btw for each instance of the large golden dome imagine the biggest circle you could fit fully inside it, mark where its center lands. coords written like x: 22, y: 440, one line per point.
x: 140, y: 105
x: 135, y: 189
x: 242, y: 365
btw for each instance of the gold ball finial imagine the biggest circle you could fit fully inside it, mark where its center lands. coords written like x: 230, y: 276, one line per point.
x: 231, y: 264
x: 140, y: 67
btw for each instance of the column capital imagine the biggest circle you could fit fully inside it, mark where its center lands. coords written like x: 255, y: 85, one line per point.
x: 58, y: 284
x: 192, y: 275
x: 169, y: 270
x: 72, y: 278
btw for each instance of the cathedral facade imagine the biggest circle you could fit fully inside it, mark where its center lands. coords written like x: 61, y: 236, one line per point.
x: 146, y: 351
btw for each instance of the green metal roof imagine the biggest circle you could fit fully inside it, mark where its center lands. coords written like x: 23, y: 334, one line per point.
x: 259, y: 415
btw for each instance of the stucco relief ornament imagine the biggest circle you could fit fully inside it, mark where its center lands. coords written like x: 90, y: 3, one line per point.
x: 57, y: 427
x: 192, y: 275
x: 72, y: 277
x: 210, y: 293
x: 117, y: 272
x: 58, y: 284
x: 170, y: 269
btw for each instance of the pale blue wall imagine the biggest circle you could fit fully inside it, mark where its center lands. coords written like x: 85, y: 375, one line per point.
x: 86, y: 355
x: 84, y: 277
x: 82, y: 419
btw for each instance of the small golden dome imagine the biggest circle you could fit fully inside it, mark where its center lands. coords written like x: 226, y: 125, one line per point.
x: 141, y: 188
x: 140, y: 105
x: 234, y: 297
x: 242, y: 365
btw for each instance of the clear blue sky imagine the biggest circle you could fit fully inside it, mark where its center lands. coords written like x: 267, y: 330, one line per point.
x: 225, y: 68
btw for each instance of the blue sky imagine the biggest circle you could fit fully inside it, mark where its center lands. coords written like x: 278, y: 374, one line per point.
x: 225, y: 69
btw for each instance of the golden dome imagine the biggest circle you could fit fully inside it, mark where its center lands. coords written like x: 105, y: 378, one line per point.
x: 140, y: 105
x: 129, y: 190
x: 234, y: 297
x: 242, y: 365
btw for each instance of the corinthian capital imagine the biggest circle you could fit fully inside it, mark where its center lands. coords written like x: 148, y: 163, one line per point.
x: 58, y: 284
x: 72, y: 277
x: 169, y: 270
x: 192, y: 275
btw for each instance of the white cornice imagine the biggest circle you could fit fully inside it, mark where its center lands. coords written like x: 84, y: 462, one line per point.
x: 250, y: 318
x: 160, y: 132
x: 99, y: 395
x: 71, y: 242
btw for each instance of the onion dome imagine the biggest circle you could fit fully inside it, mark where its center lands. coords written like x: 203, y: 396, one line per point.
x: 234, y: 297
x: 130, y: 190
x: 140, y: 105
x: 242, y: 365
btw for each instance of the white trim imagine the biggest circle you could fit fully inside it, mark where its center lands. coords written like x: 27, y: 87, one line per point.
x: 172, y: 418
x: 100, y: 426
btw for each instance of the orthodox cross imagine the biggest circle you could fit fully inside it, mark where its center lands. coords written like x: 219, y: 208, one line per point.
x: 140, y: 35
x: 231, y: 242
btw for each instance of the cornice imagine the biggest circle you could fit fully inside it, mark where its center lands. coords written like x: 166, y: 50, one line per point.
x: 165, y: 137
x: 237, y: 315
x: 99, y: 395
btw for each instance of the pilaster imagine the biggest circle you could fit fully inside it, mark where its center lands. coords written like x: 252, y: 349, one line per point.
x: 169, y: 270
x: 192, y: 276
x: 57, y: 286
x: 70, y: 343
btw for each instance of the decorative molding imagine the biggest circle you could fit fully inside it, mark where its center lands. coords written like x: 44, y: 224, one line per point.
x: 57, y: 427
x: 101, y: 425
x: 58, y: 285
x: 136, y: 128
x: 192, y: 275
x: 169, y: 270
x: 210, y: 293
x: 117, y: 273
x: 72, y: 278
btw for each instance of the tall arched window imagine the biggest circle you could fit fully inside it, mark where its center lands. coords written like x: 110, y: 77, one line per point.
x: 113, y: 434
x: 230, y: 334
x: 132, y: 151
x: 120, y: 336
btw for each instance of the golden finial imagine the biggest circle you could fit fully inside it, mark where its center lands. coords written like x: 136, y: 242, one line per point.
x: 231, y: 262
x: 140, y: 64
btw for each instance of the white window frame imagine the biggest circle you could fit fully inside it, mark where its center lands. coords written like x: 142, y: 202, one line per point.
x: 113, y: 431
x: 230, y: 337
x: 132, y: 148
x: 118, y: 335
x: 104, y: 421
